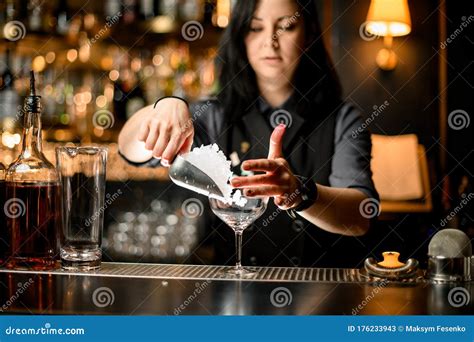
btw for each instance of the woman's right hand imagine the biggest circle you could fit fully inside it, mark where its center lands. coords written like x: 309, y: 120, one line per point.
x: 165, y: 130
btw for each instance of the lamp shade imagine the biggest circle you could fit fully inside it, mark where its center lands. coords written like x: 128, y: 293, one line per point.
x: 389, y: 18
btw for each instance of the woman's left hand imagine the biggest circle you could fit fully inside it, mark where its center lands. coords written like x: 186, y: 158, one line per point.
x: 278, y: 180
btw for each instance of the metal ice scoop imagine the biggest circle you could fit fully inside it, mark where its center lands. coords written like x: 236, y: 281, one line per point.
x: 188, y: 176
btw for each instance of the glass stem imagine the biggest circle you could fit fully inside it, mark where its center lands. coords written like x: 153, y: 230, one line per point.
x: 238, y: 249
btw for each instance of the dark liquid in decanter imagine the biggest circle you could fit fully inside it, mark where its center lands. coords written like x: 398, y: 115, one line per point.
x: 33, y: 225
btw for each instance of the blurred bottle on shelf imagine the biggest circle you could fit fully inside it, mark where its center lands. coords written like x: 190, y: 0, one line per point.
x: 148, y: 9
x: 120, y: 100
x: 129, y: 9
x: 221, y: 15
x: 169, y: 8
x: 134, y: 88
x: 62, y: 16
x: 209, y: 8
x: 191, y: 10
x: 10, y: 111
x: 111, y: 7
x: 35, y: 9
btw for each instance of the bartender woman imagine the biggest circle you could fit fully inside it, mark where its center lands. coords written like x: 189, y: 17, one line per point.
x: 316, y: 166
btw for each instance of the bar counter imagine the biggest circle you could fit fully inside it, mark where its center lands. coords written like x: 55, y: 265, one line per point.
x: 158, y: 289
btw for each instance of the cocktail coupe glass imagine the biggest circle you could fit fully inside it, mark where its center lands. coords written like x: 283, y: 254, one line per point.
x: 239, y: 217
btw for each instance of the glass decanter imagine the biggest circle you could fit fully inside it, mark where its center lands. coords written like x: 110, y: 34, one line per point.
x: 32, y: 207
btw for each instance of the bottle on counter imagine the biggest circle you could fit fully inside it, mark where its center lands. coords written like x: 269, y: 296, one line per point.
x: 32, y: 197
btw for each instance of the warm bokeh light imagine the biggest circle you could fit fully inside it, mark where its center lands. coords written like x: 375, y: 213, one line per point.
x: 223, y: 13
x: 136, y: 64
x: 84, y: 53
x: 162, y: 24
x: 10, y: 140
x: 71, y: 55
x: 114, y: 75
x: 98, y: 131
x: 222, y: 21
x: 106, y: 63
x: 50, y: 57
x: 157, y: 60
x: 148, y: 71
x: 389, y: 18
x: 101, y: 101
x: 39, y: 63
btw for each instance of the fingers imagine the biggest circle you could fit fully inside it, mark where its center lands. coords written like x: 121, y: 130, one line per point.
x: 264, y: 191
x: 276, y: 142
x: 175, y: 145
x: 143, y: 133
x: 170, y: 151
x: 188, y: 143
x: 254, y: 180
x: 260, y: 165
x: 162, y: 142
x: 152, y: 135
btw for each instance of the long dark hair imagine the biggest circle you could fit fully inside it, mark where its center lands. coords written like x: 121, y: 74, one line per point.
x: 315, y: 76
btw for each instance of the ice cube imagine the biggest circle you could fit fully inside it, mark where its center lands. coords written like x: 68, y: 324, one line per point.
x: 212, y: 161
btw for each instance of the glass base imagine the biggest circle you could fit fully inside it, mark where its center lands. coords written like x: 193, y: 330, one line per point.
x: 80, y: 260
x: 29, y: 263
x: 239, y: 272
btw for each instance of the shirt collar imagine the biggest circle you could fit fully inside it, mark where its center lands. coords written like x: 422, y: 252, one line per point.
x: 289, y: 104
